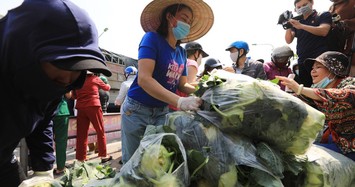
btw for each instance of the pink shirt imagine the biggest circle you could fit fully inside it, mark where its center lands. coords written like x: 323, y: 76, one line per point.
x: 271, y: 70
x: 189, y: 62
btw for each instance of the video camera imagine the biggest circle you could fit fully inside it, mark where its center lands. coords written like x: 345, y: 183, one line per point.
x: 285, y: 16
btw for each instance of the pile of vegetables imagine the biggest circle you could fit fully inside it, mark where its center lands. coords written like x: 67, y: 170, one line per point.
x: 248, y: 133
x: 89, y: 173
x: 259, y: 109
x: 83, y: 172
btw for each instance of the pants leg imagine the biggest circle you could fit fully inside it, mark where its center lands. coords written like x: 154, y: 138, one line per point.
x: 96, y: 117
x: 82, y: 131
x: 60, y: 129
x: 131, y: 134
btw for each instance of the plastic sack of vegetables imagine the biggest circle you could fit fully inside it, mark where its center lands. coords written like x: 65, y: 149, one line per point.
x: 160, y: 160
x: 208, y: 160
x: 216, y: 157
x: 328, y: 168
x: 259, y: 109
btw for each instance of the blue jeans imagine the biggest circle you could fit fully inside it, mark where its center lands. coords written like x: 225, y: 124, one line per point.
x: 332, y: 146
x: 134, y: 119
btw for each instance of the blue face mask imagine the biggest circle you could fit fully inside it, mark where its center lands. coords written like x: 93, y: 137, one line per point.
x: 181, y: 30
x: 323, y: 83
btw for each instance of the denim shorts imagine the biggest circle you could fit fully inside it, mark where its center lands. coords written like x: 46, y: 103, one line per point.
x: 134, y: 119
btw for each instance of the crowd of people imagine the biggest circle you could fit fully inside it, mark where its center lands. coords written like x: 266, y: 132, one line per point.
x: 63, y: 61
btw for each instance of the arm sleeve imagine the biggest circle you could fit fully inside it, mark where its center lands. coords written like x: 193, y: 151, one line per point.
x: 40, y: 141
x: 261, y: 72
x: 332, y: 98
x: 102, y: 85
x: 122, y: 94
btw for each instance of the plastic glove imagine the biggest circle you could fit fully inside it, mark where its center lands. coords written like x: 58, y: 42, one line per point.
x: 38, y: 178
x: 48, y: 173
x: 189, y: 103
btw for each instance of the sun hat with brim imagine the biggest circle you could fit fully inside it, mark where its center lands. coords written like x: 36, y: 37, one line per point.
x: 336, y: 62
x: 202, y: 17
x: 79, y: 64
x: 195, y: 46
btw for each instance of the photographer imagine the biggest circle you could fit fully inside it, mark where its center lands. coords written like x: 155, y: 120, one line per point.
x: 343, y: 29
x: 311, y: 31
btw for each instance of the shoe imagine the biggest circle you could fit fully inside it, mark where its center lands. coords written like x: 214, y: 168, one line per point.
x: 120, y: 162
x: 57, y: 172
x: 104, y: 160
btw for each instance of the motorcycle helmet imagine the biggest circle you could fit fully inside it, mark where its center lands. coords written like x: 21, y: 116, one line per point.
x: 239, y: 45
x: 193, y: 46
x: 210, y: 64
x: 282, y: 55
x: 130, y: 70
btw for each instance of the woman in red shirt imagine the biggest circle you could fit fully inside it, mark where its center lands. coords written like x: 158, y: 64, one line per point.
x: 89, y: 110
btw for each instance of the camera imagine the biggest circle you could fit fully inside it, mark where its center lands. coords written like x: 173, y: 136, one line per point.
x: 336, y: 18
x: 285, y: 16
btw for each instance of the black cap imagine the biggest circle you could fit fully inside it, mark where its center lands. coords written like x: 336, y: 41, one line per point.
x: 195, y: 46
x: 79, y: 64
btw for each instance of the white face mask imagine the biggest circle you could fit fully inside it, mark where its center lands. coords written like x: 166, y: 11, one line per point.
x: 304, y: 10
x: 234, y: 56
x: 297, y: 72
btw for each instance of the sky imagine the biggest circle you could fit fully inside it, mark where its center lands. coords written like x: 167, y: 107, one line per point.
x: 253, y: 21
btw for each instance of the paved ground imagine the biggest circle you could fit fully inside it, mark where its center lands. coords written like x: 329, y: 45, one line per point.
x: 113, y: 149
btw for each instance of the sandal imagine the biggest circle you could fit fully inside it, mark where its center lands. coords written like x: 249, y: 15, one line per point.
x: 58, y: 172
x: 104, y: 160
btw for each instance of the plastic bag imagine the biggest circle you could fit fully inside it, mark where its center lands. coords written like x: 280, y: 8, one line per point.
x: 328, y: 168
x: 135, y: 174
x: 40, y: 181
x: 224, y: 153
x: 207, y: 155
x: 260, y: 110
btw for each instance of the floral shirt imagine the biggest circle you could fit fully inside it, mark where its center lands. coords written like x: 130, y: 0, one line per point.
x: 338, y: 105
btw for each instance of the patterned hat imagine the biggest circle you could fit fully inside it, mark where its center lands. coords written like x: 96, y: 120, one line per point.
x: 202, y: 17
x: 336, y: 62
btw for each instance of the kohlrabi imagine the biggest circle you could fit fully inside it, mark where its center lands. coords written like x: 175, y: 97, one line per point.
x: 155, y: 161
